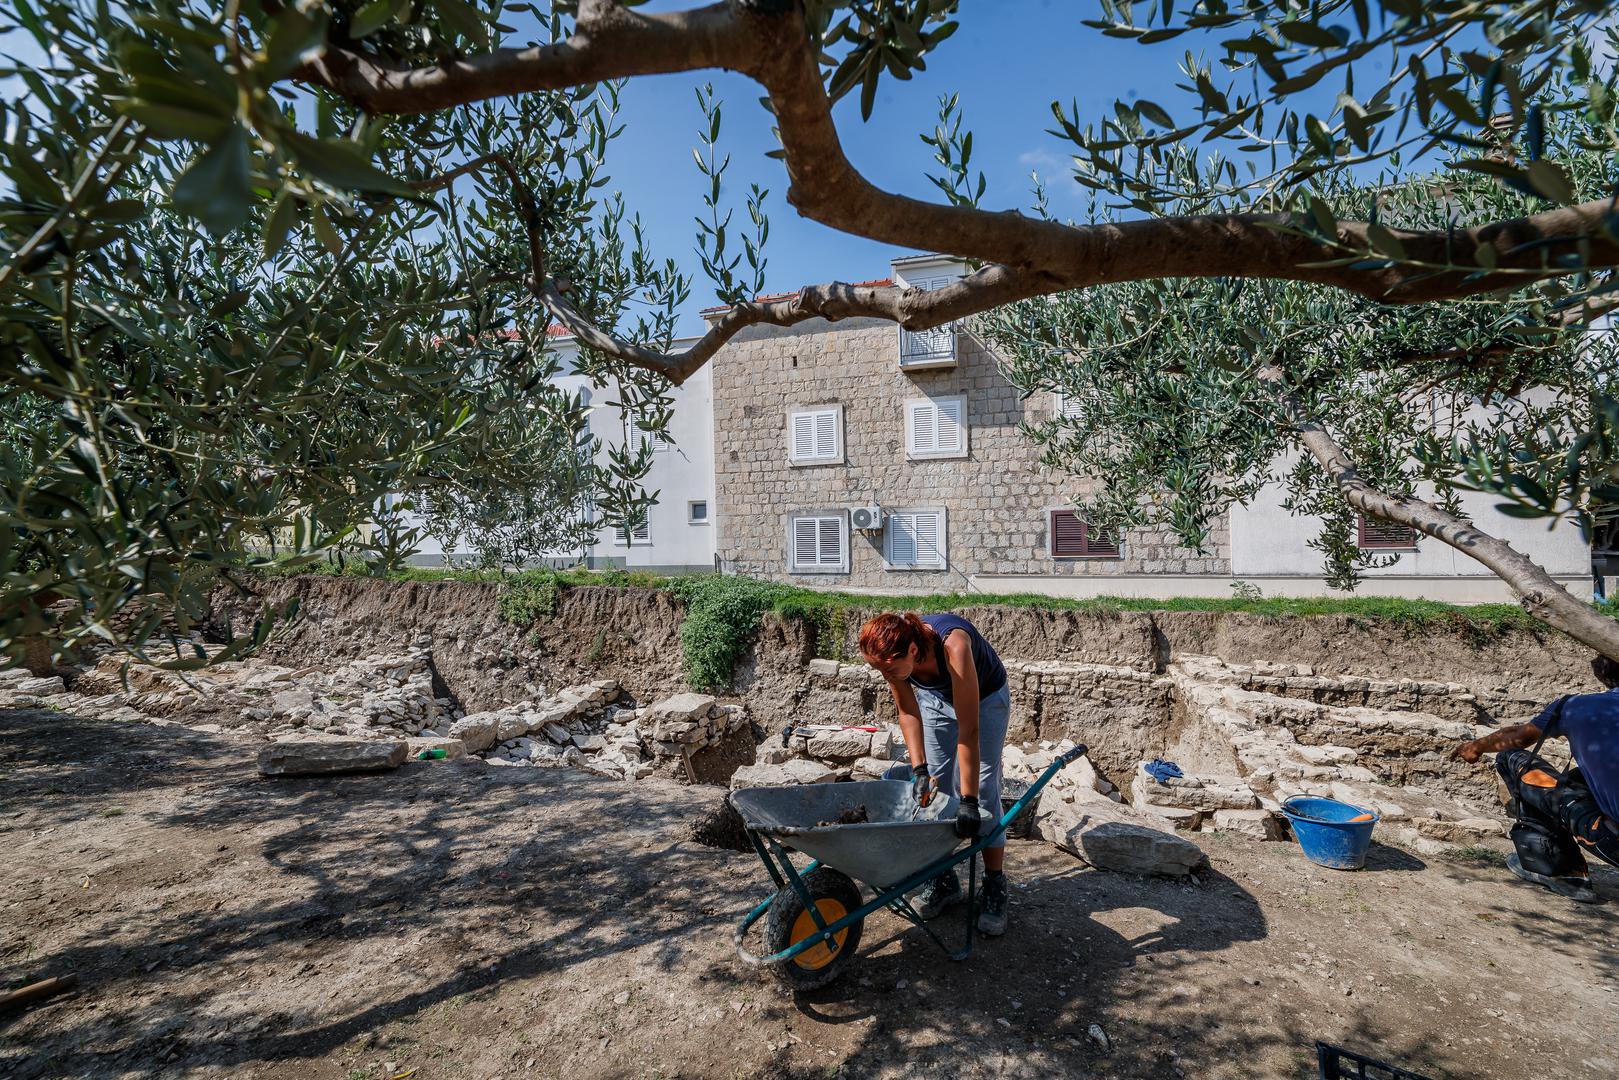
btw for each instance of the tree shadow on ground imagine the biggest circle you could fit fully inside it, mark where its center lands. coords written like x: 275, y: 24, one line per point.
x: 346, y: 859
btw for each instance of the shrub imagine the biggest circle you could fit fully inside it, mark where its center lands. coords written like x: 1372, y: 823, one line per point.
x: 528, y: 596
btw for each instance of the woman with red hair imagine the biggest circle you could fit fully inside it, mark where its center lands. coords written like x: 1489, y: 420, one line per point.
x: 950, y: 690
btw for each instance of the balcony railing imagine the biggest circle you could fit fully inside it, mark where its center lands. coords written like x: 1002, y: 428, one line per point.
x: 928, y: 348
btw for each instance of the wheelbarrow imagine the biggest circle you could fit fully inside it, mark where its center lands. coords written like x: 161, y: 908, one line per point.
x: 894, y: 846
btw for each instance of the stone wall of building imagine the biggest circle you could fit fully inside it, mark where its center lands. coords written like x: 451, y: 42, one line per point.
x: 995, y: 498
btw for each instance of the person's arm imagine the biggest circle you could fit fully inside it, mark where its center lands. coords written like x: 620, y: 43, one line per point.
x: 1513, y: 737
x: 958, y: 655
x: 910, y: 721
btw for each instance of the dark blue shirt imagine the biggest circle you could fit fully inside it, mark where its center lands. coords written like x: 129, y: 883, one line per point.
x: 991, y: 672
x: 1590, y: 723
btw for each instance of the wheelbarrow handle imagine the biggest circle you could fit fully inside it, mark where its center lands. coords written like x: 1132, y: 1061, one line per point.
x: 1069, y: 757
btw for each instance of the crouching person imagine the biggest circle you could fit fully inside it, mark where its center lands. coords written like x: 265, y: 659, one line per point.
x: 1563, y: 815
x: 950, y: 690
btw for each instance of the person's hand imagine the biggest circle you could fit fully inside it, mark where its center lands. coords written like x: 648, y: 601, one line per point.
x: 968, y: 821
x: 1468, y: 752
x: 923, y: 786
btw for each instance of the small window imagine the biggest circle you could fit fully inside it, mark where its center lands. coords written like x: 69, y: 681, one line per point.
x: 1384, y: 535
x: 818, y: 544
x: 1063, y: 405
x: 640, y: 532
x: 697, y: 512
x: 934, y: 428
x: 914, y: 540
x: 815, y: 436
x: 1072, y: 537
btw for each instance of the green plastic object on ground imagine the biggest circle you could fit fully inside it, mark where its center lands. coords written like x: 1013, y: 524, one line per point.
x: 432, y: 755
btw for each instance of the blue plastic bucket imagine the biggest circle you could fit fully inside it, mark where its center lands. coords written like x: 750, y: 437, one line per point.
x: 1332, y: 833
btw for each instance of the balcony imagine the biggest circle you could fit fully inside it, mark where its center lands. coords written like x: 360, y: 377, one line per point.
x: 926, y: 349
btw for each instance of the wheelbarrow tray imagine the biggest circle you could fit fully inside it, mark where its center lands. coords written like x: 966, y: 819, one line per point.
x: 885, y: 849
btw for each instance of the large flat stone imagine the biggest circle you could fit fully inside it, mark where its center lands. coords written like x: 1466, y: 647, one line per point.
x: 1111, y: 837
x: 319, y: 757
x: 479, y: 731
x: 840, y: 745
x: 1252, y: 824
x: 796, y: 771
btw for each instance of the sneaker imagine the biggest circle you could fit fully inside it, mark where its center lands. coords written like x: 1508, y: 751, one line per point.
x: 1575, y: 888
x: 938, y: 894
x: 992, y: 906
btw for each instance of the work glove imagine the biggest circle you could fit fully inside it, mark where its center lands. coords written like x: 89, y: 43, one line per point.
x: 923, y: 786
x: 968, y: 821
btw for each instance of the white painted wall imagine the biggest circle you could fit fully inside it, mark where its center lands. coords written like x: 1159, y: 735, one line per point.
x: 1268, y: 541
x: 680, y: 474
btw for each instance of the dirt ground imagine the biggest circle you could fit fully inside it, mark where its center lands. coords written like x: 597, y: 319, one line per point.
x: 457, y: 920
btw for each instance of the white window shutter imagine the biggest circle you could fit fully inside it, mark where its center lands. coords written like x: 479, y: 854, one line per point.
x: 901, y: 540
x: 924, y: 431
x: 804, y: 542
x: 831, y: 542
x: 826, y: 434
x: 947, y: 426
x: 925, y: 531
x: 803, y: 436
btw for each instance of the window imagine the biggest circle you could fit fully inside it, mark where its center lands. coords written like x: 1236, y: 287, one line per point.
x: 640, y: 532
x: 1384, y: 535
x: 934, y: 428
x: 815, y: 436
x: 928, y: 348
x: 697, y: 512
x: 914, y: 540
x: 1071, y: 537
x: 1063, y: 405
x: 818, y: 544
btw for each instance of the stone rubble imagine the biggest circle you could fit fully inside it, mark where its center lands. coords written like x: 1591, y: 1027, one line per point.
x: 358, y: 714
x: 1247, y: 735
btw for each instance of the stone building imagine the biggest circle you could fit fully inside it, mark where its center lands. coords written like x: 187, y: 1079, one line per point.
x: 857, y: 455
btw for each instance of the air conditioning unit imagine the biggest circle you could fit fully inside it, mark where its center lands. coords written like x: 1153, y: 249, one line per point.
x: 866, y: 518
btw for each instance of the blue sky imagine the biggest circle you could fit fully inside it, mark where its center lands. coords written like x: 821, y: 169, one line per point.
x: 1008, y: 62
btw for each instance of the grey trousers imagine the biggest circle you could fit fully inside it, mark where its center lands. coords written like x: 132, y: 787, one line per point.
x: 939, y: 742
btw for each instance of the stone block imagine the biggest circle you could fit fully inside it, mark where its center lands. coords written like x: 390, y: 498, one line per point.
x: 882, y: 744
x: 1110, y: 837
x: 324, y: 757
x: 823, y: 669
x: 1253, y: 824
x: 510, y: 726
x: 41, y: 687
x: 840, y: 745
x: 479, y: 731
x: 796, y: 771
x: 557, y: 734
x: 590, y: 743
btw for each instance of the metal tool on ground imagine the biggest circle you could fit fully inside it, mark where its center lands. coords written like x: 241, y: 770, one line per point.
x: 815, y: 915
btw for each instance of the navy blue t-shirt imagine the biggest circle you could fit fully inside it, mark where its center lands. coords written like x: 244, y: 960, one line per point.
x: 991, y: 672
x: 1590, y: 723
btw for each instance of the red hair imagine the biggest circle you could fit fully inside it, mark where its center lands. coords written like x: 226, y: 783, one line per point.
x: 890, y: 635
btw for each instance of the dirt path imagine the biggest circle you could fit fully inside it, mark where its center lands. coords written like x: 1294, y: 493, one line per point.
x: 463, y: 921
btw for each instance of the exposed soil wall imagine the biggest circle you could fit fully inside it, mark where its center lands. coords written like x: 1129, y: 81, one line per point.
x: 633, y: 635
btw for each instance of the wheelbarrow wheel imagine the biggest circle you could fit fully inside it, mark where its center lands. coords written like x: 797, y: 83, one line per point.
x: 835, y: 895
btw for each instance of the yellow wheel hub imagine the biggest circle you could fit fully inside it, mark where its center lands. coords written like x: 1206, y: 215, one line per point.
x: 823, y: 953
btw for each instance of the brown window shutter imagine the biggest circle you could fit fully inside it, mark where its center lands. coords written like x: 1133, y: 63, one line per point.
x: 1073, y: 538
x: 1384, y: 535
